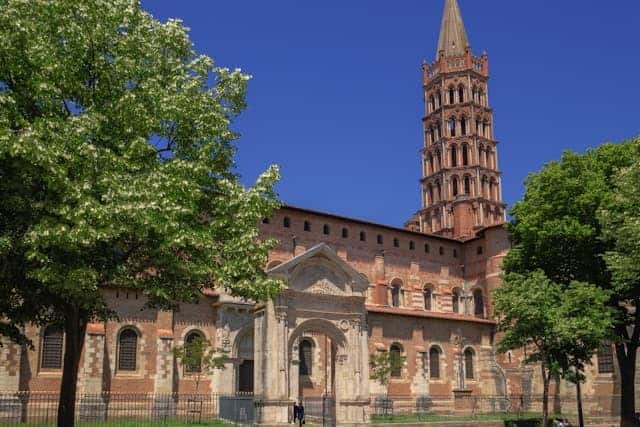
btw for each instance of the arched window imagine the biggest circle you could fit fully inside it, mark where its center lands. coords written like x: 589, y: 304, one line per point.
x: 395, y: 353
x: 454, y: 186
x: 396, y: 294
x: 455, y: 301
x: 432, y: 103
x: 491, y: 184
x: 430, y: 192
x: 468, y: 364
x: 605, y: 359
x: 461, y: 94
x: 452, y: 95
x: 325, y: 229
x: 307, y: 226
x: 52, y: 348
x: 193, y: 345
x: 430, y: 162
x: 363, y: 236
x: 439, y: 99
x: 439, y: 159
x: 463, y: 126
x: 427, y: 296
x: 467, y: 185
x: 452, y: 126
x: 306, y: 357
x: 434, y: 362
x: 475, y: 94
x: 485, y: 130
x: 345, y: 233
x: 465, y: 155
x: 432, y: 133
x: 454, y: 156
x: 439, y: 191
x: 127, y: 350
x: 286, y: 222
x: 478, y: 303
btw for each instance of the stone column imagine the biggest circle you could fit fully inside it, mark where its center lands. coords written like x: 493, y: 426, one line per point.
x: 10, y: 359
x: 93, y: 403
x: 271, y: 365
x: 294, y: 372
x: 9, y: 366
x: 420, y: 385
x: 164, y: 384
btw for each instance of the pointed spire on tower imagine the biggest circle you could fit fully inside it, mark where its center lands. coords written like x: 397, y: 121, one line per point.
x: 453, y: 36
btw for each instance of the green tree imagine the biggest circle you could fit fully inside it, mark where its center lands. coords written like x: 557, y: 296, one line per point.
x: 383, y: 364
x: 116, y: 170
x: 557, y: 229
x: 199, y: 359
x: 584, y: 323
x: 620, y: 218
x: 560, y: 328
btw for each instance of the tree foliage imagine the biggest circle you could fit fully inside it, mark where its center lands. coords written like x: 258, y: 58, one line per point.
x: 560, y: 327
x: 116, y: 168
x: 199, y: 359
x: 383, y: 363
x: 572, y: 224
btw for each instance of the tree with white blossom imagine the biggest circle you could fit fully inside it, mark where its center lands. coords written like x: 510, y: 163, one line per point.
x: 117, y: 170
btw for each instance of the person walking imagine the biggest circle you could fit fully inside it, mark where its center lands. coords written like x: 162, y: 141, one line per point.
x: 298, y: 414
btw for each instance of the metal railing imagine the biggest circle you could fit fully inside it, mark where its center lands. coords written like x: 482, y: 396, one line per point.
x: 126, y: 409
x: 390, y: 406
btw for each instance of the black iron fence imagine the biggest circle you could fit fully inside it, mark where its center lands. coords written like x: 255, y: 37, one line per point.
x: 114, y: 410
x: 602, y: 406
x: 320, y: 409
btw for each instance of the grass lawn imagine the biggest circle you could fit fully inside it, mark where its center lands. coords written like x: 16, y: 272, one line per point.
x: 378, y: 419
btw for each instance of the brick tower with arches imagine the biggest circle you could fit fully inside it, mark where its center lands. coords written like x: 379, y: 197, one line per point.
x: 461, y: 182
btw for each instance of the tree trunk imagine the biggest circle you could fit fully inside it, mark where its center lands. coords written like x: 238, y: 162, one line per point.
x: 75, y: 326
x: 579, y: 398
x: 626, y: 356
x: 545, y: 395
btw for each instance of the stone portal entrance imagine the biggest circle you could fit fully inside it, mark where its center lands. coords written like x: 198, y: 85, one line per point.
x: 318, y: 322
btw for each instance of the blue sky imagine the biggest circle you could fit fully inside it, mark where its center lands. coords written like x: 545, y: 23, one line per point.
x: 336, y: 97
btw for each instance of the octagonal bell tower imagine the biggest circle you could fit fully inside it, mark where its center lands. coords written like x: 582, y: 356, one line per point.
x: 461, y: 182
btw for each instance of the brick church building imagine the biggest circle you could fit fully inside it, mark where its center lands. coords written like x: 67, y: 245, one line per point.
x: 355, y: 289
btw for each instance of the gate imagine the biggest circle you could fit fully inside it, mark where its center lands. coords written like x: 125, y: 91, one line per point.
x: 320, y: 409
x: 328, y: 410
x: 238, y: 409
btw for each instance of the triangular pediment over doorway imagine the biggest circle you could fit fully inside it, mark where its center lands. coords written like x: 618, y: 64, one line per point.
x: 320, y: 270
